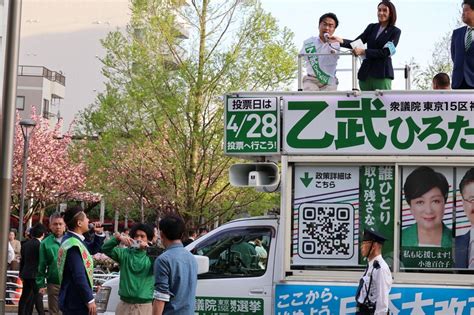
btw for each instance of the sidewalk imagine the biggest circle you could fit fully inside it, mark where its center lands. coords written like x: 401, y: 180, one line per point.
x: 11, y: 309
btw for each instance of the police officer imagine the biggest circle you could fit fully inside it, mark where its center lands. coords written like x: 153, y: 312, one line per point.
x: 375, y: 284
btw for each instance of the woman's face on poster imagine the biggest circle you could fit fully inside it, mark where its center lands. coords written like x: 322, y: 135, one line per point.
x: 428, y: 209
x: 467, y: 203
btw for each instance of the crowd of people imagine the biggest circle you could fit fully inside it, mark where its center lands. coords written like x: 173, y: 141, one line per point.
x: 61, y: 265
x: 376, y: 46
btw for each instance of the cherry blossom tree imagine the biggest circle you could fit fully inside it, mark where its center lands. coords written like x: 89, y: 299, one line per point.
x: 132, y: 177
x: 54, y: 173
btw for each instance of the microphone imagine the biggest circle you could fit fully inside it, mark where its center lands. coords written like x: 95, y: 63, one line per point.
x: 91, y: 228
x: 326, y: 37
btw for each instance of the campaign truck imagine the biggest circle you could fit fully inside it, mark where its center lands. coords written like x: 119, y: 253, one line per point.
x: 341, y: 162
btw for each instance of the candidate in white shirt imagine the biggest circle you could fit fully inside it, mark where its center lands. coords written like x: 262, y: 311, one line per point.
x: 321, y: 69
x: 372, y: 295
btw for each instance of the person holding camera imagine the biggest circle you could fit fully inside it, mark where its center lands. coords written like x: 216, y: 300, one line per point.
x: 374, y: 286
x: 136, y: 269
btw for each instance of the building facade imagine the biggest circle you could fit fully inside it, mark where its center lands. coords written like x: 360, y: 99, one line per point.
x: 42, y: 89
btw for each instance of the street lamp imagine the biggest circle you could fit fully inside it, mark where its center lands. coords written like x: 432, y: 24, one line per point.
x: 27, y: 126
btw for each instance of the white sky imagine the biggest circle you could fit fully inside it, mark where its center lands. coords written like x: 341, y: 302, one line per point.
x: 64, y: 34
x: 423, y: 22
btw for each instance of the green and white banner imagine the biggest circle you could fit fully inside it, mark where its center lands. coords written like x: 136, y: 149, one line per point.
x: 427, y: 239
x: 206, y: 305
x: 388, y: 124
x: 252, y: 126
x: 377, y: 203
x: 332, y: 205
x: 325, y: 208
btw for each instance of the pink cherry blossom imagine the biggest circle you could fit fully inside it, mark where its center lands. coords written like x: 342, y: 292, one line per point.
x: 53, y: 173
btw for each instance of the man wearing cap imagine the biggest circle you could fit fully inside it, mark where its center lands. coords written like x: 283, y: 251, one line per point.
x: 75, y: 264
x: 375, y: 284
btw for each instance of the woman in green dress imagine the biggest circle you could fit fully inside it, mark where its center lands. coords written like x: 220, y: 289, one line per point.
x: 426, y: 192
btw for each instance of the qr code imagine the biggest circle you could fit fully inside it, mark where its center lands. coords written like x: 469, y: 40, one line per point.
x: 326, y: 231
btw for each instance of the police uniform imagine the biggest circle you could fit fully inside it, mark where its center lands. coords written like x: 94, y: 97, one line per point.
x: 374, y: 286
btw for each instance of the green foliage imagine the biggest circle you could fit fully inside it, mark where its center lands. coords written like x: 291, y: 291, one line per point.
x: 160, y: 119
x: 440, y: 62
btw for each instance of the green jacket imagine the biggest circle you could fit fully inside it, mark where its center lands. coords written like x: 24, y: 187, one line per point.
x: 48, y: 266
x: 136, y: 272
x: 410, y: 237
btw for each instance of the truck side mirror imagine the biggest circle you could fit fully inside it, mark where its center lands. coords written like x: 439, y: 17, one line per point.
x: 203, y: 263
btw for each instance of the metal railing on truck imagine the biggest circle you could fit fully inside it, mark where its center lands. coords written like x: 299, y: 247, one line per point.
x: 354, y: 69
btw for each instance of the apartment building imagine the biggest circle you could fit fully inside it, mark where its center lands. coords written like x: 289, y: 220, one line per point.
x: 41, y: 88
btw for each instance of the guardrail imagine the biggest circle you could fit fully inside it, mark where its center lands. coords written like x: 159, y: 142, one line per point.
x: 15, y: 287
x: 353, y: 69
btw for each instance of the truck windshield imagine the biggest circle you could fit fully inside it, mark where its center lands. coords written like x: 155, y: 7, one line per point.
x: 237, y: 252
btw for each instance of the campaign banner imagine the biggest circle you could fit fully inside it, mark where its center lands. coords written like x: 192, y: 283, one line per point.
x: 464, y: 209
x: 252, y: 126
x: 437, y: 216
x: 427, y: 238
x: 325, y: 213
x: 377, y: 203
x: 206, y: 305
x: 464, y: 216
x: 331, y: 206
x: 330, y: 298
x: 388, y: 124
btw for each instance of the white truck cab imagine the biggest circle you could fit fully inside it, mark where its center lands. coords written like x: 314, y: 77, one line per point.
x: 107, y: 297
x: 229, y: 261
x: 243, y: 272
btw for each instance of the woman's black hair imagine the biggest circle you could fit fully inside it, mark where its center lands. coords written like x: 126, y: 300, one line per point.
x: 392, y: 18
x: 422, y: 180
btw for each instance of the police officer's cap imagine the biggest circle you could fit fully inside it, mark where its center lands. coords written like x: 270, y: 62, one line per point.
x: 370, y: 235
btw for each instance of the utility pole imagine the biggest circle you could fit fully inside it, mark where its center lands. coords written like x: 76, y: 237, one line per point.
x: 7, y: 132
